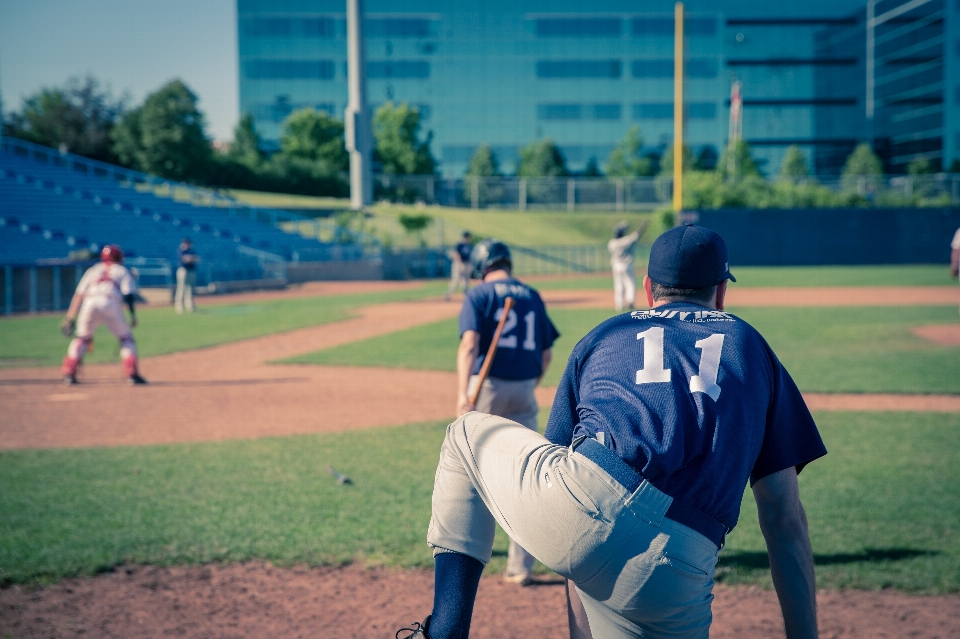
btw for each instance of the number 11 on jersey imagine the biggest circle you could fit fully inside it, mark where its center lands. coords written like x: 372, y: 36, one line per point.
x: 653, y: 370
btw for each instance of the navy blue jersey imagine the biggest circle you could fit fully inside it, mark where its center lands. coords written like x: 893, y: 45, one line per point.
x: 187, y: 264
x: 464, y: 249
x: 693, y: 399
x: 526, y: 334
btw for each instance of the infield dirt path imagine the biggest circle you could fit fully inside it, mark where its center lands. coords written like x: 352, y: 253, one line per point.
x: 229, y: 391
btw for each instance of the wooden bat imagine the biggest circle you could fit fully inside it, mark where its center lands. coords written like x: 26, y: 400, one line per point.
x: 492, y: 351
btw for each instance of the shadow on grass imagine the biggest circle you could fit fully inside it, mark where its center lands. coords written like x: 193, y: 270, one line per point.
x: 740, y: 561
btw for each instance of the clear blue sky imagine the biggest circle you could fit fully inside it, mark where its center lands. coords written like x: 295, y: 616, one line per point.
x: 133, y: 46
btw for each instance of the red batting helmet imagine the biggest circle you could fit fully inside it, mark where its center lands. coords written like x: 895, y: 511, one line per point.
x: 111, y: 253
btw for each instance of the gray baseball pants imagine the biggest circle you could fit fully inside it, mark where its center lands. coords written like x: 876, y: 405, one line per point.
x: 637, y: 573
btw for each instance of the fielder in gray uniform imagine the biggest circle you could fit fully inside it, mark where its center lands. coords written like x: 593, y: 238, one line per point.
x: 621, y: 248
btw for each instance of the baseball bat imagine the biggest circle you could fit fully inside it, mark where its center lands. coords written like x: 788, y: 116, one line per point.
x: 492, y: 351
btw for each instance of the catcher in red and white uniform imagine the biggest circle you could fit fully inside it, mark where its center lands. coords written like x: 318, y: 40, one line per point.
x: 99, y: 300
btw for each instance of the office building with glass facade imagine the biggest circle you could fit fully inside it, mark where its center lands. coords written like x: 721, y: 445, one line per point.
x: 582, y: 73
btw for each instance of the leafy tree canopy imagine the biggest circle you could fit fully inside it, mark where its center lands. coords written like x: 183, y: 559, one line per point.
x: 483, y: 163
x: 541, y: 159
x: 246, y: 143
x: 794, y: 164
x: 77, y: 116
x: 396, y: 130
x: 863, y: 161
x: 666, y: 160
x: 737, y: 161
x: 165, y: 136
x: 625, y: 159
x: 316, y: 137
x: 920, y: 166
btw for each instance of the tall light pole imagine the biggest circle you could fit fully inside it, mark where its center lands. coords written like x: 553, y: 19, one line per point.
x: 358, y: 133
x: 678, y: 109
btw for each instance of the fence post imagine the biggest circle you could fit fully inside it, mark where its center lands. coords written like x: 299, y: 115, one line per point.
x: 56, y: 288
x: 8, y: 289
x: 523, y: 194
x: 619, y: 195
x: 431, y: 190
x: 475, y: 192
x: 571, y: 195
x: 33, y: 289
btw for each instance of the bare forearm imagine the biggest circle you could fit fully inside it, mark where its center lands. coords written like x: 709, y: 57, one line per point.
x: 954, y: 261
x: 547, y: 358
x: 74, y: 306
x: 466, y: 359
x: 791, y: 564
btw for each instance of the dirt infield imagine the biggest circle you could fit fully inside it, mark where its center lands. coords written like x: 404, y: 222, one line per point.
x: 255, y: 601
x: 229, y: 392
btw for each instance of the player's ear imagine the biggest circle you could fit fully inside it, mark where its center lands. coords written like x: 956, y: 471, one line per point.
x: 720, y: 295
x: 648, y: 289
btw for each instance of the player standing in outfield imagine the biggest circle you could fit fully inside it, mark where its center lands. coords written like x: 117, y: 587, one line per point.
x: 460, y: 266
x: 99, y: 300
x: 955, y: 254
x: 659, y: 421
x: 186, y: 277
x: 522, y: 357
x: 621, y: 263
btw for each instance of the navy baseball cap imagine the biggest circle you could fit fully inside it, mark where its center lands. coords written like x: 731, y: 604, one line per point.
x: 689, y: 256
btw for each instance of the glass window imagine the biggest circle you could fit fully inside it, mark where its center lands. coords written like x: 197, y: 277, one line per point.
x: 559, y: 111
x: 399, y: 28
x: 379, y: 69
x: 701, y: 110
x: 579, y: 69
x: 653, y: 111
x: 606, y: 111
x: 288, y: 27
x: 693, y: 27
x: 554, y: 27
x: 663, y: 68
x: 288, y: 69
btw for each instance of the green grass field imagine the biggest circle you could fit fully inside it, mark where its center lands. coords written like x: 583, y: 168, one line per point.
x: 36, y: 341
x: 791, y: 276
x: 884, y: 505
x: 847, y: 349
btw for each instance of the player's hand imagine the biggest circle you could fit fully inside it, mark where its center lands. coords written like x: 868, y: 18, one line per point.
x: 67, y: 326
x: 464, y: 406
x: 133, y: 321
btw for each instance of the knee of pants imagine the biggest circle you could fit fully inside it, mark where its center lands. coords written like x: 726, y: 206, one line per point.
x: 128, y: 348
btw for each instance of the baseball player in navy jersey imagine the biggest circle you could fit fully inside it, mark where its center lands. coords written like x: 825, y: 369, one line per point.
x: 660, y: 420
x: 460, y: 266
x: 99, y: 299
x: 522, y: 356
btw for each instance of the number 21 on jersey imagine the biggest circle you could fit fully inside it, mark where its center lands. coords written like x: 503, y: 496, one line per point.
x: 510, y: 341
x: 653, y: 371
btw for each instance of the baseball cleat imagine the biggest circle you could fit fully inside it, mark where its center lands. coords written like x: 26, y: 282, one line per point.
x: 520, y: 580
x: 419, y: 630
x: 69, y: 380
x: 135, y: 380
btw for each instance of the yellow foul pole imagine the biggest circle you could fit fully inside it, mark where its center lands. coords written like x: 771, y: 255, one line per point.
x: 678, y: 108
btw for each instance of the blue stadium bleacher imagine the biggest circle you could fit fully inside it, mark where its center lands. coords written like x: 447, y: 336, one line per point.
x: 49, y: 208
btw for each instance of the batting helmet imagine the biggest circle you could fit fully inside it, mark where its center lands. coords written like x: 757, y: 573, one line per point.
x: 111, y: 253
x: 488, y: 254
x: 620, y: 229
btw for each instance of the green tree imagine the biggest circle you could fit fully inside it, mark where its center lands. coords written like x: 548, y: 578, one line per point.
x: 737, y: 161
x: 863, y: 161
x: 77, y: 116
x: 666, y: 160
x: 415, y: 225
x: 165, y: 136
x: 625, y: 159
x: 483, y: 163
x: 246, y: 147
x: 920, y: 166
x: 541, y: 159
x: 317, y: 138
x: 794, y: 165
x: 396, y: 129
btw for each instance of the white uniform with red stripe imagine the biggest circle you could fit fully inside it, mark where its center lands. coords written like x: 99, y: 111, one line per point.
x: 102, y: 288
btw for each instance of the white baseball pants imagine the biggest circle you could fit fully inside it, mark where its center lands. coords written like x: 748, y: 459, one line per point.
x: 183, y: 298
x: 93, y: 312
x: 637, y: 573
x: 514, y: 400
x: 624, y: 287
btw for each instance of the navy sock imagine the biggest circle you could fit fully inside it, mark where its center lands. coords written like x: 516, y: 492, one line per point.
x: 457, y: 578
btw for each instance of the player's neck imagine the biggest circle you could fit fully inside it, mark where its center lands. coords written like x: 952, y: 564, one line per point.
x: 498, y: 274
